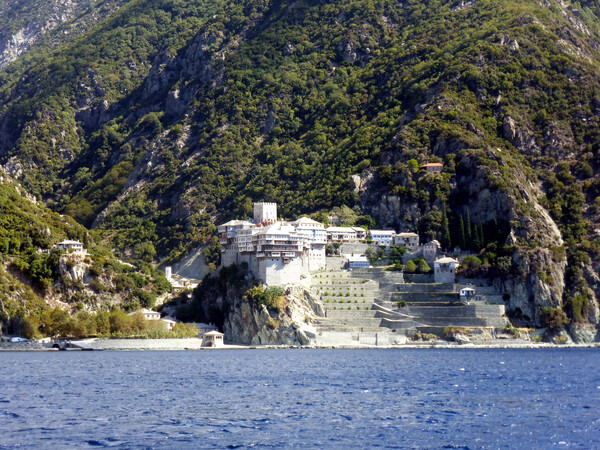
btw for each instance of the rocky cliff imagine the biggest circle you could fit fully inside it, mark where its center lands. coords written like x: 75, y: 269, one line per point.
x: 221, y: 300
x: 256, y: 325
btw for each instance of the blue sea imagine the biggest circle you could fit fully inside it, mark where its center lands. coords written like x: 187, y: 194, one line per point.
x: 459, y: 398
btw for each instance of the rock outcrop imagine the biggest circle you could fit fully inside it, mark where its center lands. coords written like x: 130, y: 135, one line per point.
x: 256, y: 325
x: 220, y: 300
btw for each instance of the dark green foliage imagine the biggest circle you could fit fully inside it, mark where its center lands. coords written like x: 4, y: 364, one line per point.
x: 554, y: 318
x: 410, y: 267
x: 445, y: 231
x: 578, y: 308
x: 471, y: 266
x: 396, y: 254
x: 212, y: 253
x: 271, y: 297
x: 422, y: 266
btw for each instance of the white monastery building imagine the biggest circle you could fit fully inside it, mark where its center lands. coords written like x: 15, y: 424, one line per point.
x: 383, y: 238
x: 444, y: 269
x: 70, y: 246
x: 410, y: 241
x: 276, y: 252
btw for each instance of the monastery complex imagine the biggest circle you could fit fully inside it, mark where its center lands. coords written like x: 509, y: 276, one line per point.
x: 279, y: 252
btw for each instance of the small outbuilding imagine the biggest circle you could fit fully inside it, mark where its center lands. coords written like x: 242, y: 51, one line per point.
x: 433, y: 167
x: 431, y: 250
x: 355, y: 262
x: 204, y: 328
x: 467, y: 294
x: 444, y: 269
x: 213, y: 339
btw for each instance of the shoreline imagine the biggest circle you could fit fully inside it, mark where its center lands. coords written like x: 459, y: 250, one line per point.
x: 195, y: 344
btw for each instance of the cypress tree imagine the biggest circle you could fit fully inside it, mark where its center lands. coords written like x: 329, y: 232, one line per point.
x: 481, y: 236
x: 446, y: 242
x: 476, y: 238
x: 461, y: 233
x: 468, y: 229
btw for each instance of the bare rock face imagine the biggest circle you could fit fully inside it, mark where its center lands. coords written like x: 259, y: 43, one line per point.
x: 360, y: 183
x: 73, y: 267
x: 255, y: 325
x: 541, y: 279
x: 584, y: 333
x: 520, y: 137
x: 346, y: 51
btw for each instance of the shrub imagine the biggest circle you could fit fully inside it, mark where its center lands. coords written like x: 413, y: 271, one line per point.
x: 401, y: 304
x: 410, y: 267
x: 554, y: 318
x: 579, y: 308
x: 271, y: 297
x: 423, y: 267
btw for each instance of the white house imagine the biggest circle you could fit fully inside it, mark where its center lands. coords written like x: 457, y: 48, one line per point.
x: 169, y: 322
x: 204, y: 328
x: 410, y: 241
x: 384, y: 238
x: 444, y: 269
x: 361, y: 233
x: 342, y: 234
x: 148, y: 314
x: 70, y: 246
x: 316, y: 234
x: 213, y: 339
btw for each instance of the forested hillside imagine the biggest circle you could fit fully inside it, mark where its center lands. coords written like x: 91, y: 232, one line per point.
x: 170, y: 116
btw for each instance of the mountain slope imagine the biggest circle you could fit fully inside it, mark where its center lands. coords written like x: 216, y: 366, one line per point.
x: 168, y: 117
x: 28, y: 22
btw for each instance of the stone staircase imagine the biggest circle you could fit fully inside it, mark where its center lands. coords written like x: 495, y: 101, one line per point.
x: 375, y: 307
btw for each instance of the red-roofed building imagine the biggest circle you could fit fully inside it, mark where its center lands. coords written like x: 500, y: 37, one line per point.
x: 433, y: 167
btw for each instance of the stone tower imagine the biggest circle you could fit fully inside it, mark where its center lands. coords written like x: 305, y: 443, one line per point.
x: 265, y: 213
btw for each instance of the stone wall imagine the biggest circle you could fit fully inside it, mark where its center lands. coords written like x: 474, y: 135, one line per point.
x: 356, y: 249
x: 335, y: 262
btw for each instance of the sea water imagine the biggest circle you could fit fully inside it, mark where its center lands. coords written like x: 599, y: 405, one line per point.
x: 459, y: 398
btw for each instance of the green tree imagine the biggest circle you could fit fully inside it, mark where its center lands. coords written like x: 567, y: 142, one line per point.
x: 468, y: 230
x: 410, y: 267
x: 554, y: 318
x: 423, y: 267
x: 445, y: 233
x: 461, y: 233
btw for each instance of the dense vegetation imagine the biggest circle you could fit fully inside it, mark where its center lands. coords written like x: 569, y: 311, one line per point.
x: 29, y: 277
x: 170, y: 116
x: 114, y: 324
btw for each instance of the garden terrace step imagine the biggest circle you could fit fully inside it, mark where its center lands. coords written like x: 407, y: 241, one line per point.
x: 426, y: 287
x: 497, y: 322
x: 455, y: 311
x: 425, y: 297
